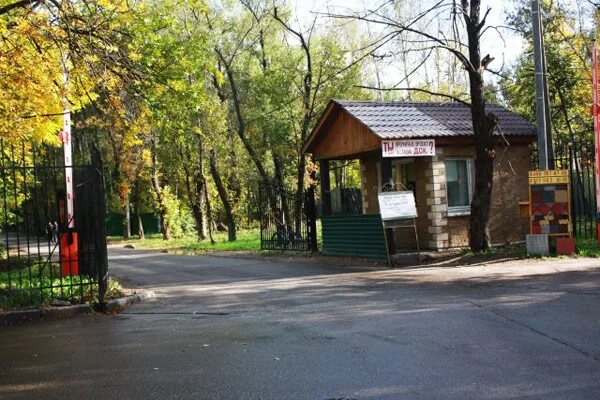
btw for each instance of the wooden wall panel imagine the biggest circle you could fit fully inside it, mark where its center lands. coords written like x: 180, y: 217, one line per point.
x: 344, y: 138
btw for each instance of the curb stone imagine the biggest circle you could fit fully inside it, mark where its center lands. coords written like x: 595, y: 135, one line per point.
x: 123, y: 302
x: 55, y: 313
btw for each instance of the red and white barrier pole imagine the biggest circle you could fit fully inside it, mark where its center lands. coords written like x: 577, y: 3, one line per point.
x: 68, y: 240
x: 68, y: 154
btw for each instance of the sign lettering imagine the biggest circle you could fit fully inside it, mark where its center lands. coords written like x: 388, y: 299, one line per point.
x: 548, y: 177
x: 397, y: 205
x: 408, y: 148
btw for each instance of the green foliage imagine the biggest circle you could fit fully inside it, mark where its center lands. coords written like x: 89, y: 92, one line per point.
x: 568, y: 64
x: 588, y: 248
x: 165, y: 102
x: 34, y: 288
x: 177, y: 216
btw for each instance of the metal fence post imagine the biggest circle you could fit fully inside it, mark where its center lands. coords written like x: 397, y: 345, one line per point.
x: 311, y: 216
x: 101, y: 258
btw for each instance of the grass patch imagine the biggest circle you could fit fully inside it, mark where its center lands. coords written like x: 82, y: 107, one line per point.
x: 248, y: 240
x: 587, y: 248
x: 35, y: 287
x: 509, y: 251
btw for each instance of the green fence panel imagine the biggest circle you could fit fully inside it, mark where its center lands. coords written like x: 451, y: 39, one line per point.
x: 114, y: 224
x: 354, y: 235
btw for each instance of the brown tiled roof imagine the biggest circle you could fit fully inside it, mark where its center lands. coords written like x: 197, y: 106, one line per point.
x: 395, y: 120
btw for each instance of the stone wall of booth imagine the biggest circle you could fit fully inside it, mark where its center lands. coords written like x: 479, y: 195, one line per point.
x: 430, y: 198
x: 435, y: 200
x: 436, y: 229
x: 510, y: 186
x: 458, y: 225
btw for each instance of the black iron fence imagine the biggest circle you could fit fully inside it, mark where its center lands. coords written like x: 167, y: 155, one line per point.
x: 286, y: 222
x: 43, y: 260
x: 579, y: 159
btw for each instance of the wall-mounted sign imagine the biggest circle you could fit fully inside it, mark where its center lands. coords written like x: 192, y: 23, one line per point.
x: 408, y: 148
x: 550, y: 202
x: 548, y: 177
x: 397, y: 205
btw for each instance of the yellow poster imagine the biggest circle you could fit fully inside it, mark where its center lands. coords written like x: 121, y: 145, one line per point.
x: 549, y: 177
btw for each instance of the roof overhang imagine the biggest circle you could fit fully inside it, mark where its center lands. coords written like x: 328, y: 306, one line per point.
x: 336, y: 108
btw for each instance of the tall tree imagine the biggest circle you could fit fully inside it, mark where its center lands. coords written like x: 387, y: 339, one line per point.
x: 569, y: 72
x: 468, y: 27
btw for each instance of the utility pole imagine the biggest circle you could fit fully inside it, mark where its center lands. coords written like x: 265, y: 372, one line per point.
x: 545, y: 153
x: 549, y: 142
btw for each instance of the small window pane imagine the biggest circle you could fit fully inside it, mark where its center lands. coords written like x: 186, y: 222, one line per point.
x: 457, y: 183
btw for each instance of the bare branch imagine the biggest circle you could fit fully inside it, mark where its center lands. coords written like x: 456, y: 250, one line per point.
x: 407, y: 89
x: 399, y: 27
x: 18, y: 4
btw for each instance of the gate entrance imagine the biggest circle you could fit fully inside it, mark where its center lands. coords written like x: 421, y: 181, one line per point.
x: 285, y: 222
x: 43, y: 260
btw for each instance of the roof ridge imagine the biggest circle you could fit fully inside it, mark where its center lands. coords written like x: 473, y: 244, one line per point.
x: 398, y: 119
x: 403, y: 102
x: 341, y: 101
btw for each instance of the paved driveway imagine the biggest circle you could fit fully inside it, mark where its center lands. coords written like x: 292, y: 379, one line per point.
x: 266, y: 328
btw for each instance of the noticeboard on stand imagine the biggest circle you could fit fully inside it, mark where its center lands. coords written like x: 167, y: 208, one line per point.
x: 398, y: 210
x: 397, y: 205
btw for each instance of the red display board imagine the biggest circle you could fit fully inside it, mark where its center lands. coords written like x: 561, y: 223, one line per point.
x: 550, y: 203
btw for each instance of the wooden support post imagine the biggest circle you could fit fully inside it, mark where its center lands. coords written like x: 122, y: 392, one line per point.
x: 325, y: 187
x: 386, y: 173
x: 387, y: 183
x: 417, y: 239
x: 311, y: 217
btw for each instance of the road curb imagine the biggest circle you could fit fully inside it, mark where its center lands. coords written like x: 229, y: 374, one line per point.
x: 55, y: 313
x: 117, y: 305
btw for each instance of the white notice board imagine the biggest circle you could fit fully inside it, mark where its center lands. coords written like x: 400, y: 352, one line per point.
x: 397, y: 205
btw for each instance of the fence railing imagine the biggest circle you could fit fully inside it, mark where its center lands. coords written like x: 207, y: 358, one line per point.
x: 287, y: 223
x: 42, y: 260
x: 579, y: 159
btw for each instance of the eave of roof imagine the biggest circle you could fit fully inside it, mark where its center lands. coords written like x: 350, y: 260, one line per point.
x: 399, y: 120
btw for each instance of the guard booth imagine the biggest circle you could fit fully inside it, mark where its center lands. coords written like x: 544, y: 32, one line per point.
x: 426, y: 148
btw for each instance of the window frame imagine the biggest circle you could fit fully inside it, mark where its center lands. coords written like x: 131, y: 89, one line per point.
x: 457, y: 211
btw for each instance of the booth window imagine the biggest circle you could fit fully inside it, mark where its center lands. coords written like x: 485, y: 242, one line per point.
x: 459, y: 185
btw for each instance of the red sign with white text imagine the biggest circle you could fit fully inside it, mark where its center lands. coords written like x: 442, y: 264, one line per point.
x: 408, y: 148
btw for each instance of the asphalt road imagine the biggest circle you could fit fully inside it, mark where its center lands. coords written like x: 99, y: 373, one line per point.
x: 266, y: 328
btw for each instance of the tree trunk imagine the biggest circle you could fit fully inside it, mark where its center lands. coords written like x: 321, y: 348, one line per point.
x: 160, y: 205
x: 137, y: 205
x: 200, y: 183
x: 299, y: 200
x: 196, y: 192
x: 141, y: 234
x: 241, y: 128
x: 127, y: 220
x: 483, y: 128
x: 214, y: 171
x: 284, y: 217
x: 309, y: 95
x: 234, y: 185
x: 209, y: 214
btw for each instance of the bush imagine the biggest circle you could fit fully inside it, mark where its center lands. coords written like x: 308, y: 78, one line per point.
x: 178, y: 217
